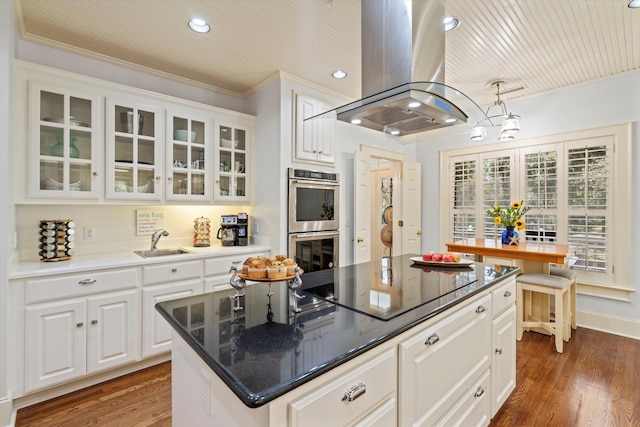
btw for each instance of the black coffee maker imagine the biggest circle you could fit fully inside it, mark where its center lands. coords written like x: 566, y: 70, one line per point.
x: 242, y: 230
x: 228, y: 231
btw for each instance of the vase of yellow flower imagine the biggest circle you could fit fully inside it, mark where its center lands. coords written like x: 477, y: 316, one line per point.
x: 511, y: 218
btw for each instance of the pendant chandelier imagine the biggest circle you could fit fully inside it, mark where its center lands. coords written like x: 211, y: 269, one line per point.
x: 509, y: 122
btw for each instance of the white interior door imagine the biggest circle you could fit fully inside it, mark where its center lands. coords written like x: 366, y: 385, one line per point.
x: 362, y: 224
x: 407, y: 204
x: 411, y: 231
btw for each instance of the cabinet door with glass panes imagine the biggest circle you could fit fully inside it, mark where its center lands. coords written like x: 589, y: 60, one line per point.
x: 233, y: 166
x: 135, y: 150
x: 64, y: 131
x: 188, y: 155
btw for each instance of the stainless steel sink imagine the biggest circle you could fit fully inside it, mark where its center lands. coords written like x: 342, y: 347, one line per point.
x: 162, y: 252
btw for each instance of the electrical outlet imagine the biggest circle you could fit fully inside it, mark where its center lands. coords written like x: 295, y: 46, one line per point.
x: 205, y: 391
x: 89, y: 233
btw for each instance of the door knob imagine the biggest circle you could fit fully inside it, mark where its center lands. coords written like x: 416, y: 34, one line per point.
x: 360, y: 240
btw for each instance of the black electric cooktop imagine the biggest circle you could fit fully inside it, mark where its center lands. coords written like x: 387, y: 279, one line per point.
x: 390, y: 287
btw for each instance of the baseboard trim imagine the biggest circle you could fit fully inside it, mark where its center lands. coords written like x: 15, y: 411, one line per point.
x: 611, y: 324
x: 7, y: 414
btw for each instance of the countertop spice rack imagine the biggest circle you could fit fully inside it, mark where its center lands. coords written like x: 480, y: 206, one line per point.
x: 201, y: 232
x: 57, y: 239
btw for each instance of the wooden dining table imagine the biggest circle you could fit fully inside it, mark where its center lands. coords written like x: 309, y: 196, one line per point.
x: 531, y: 257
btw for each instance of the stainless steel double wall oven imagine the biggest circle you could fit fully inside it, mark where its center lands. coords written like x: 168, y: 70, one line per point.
x: 314, y: 218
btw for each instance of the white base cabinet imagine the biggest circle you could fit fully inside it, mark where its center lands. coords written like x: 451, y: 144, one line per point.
x: 82, y: 327
x: 169, y: 281
x: 67, y: 340
x: 156, y: 338
x: 441, y: 362
x: 373, y: 386
x: 503, y: 364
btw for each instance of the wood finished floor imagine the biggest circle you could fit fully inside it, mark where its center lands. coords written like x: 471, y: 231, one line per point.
x: 595, y: 382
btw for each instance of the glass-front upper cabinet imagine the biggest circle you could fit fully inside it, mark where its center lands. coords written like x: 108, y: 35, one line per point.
x: 188, y: 155
x: 232, y: 158
x: 64, y: 130
x: 134, y: 154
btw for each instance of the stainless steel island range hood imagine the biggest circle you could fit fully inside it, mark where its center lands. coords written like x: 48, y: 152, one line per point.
x: 403, y: 71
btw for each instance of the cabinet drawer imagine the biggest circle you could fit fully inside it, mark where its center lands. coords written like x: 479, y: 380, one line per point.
x: 473, y: 408
x: 221, y: 265
x: 503, y: 297
x: 439, y: 363
x: 172, y: 272
x: 325, y: 406
x: 80, y: 284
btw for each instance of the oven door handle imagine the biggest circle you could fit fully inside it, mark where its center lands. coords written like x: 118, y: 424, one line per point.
x: 315, y: 184
x: 315, y: 234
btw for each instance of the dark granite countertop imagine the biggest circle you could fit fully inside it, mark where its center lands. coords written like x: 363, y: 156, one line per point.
x: 265, y: 350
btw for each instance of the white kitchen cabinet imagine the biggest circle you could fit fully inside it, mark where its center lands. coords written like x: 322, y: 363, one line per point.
x: 137, y: 146
x: 69, y: 339
x: 314, y: 139
x: 164, y: 282
x: 188, y: 155
x: 65, y: 140
x: 503, y: 365
x: 233, y: 161
x: 134, y: 149
x: 473, y: 408
x: 156, y: 336
x: 365, y: 395
x: 439, y: 363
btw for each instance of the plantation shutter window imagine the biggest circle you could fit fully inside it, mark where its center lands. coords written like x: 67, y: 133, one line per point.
x: 497, y: 190
x: 541, y: 195
x: 588, y: 200
x: 577, y: 186
x: 464, y: 198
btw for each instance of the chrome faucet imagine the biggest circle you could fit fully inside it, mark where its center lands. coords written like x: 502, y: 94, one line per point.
x: 156, y: 236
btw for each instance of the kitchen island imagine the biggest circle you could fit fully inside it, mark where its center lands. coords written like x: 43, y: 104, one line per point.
x: 386, y: 342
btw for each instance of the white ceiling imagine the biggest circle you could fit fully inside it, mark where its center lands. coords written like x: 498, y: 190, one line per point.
x: 539, y: 44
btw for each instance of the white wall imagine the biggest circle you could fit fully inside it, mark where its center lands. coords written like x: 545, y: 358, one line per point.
x: 604, y: 102
x: 7, y: 217
x: 68, y: 61
x: 115, y: 226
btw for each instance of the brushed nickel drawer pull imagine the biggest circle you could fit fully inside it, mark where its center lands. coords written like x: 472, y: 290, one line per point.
x: 94, y: 322
x: 481, y: 309
x: 479, y: 392
x: 498, y: 351
x: 354, y: 392
x: 79, y: 324
x: 432, y: 339
x: 173, y: 270
x: 89, y: 281
x: 507, y: 294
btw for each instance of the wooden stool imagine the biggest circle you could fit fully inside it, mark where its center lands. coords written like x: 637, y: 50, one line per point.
x: 544, y: 284
x: 573, y: 290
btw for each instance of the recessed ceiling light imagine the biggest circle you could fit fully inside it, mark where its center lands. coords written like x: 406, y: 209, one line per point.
x: 450, y: 120
x: 356, y: 121
x: 634, y: 4
x: 338, y: 74
x: 199, y: 25
x: 414, y: 104
x: 451, y: 22
x: 394, y: 132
